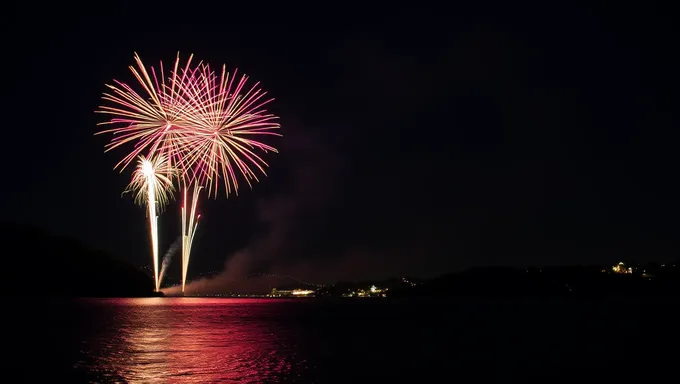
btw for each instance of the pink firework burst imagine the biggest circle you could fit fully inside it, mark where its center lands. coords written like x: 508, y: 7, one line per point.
x: 206, y: 124
x: 148, y: 120
x: 221, y: 138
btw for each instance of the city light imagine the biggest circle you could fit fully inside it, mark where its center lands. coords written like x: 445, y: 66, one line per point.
x: 302, y: 292
x: 621, y: 268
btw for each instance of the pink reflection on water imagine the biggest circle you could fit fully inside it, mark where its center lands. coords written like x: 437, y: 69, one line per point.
x: 194, y: 340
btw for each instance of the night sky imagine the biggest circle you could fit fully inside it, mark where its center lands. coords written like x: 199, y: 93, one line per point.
x: 416, y: 141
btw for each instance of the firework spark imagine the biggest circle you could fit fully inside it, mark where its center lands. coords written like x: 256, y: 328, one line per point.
x: 152, y: 184
x: 153, y: 176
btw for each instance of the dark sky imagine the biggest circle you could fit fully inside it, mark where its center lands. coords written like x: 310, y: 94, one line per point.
x: 416, y: 141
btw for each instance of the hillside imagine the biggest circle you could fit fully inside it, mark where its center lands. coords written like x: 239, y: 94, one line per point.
x: 36, y: 263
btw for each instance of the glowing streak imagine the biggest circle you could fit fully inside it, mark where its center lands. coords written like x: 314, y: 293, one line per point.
x: 153, y: 225
x: 188, y: 230
x: 153, y: 181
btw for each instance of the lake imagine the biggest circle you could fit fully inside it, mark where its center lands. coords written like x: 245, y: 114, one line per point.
x: 206, y: 340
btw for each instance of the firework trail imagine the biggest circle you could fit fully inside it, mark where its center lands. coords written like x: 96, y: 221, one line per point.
x: 168, y: 258
x: 152, y: 181
x: 189, y: 226
x: 204, y: 124
x: 151, y: 121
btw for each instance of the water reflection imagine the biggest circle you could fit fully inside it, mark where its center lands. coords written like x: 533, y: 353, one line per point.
x: 188, y: 340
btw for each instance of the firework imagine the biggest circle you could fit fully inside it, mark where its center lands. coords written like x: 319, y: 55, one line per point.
x: 189, y: 226
x: 202, y: 123
x: 151, y: 120
x: 225, y: 121
x: 152, y: 182
x: 220, y: 141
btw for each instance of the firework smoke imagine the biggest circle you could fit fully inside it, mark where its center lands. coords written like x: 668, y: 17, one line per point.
x: 189, y: 225
x: 167, y: 259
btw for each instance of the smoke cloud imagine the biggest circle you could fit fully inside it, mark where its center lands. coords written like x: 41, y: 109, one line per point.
x: 167, y: 259
x: 289, y: 217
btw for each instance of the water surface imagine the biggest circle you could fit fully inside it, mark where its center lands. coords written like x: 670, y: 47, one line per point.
x: 201, y: 340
